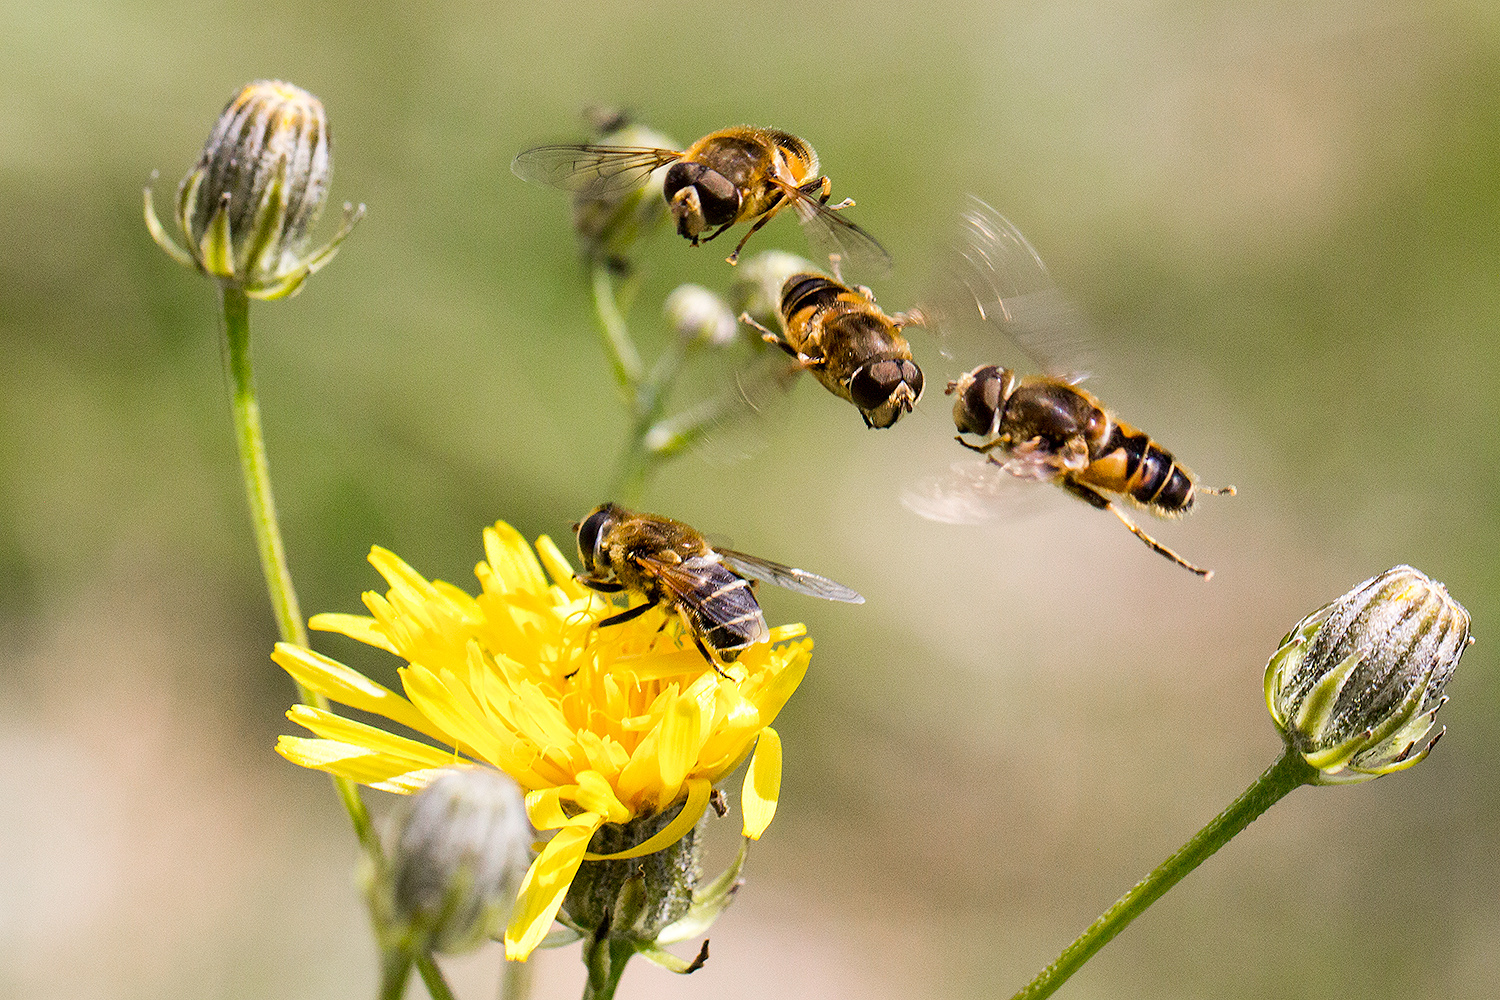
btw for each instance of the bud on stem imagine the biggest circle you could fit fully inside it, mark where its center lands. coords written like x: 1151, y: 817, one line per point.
x: 1355, y: 685
x: 247, y: 207
x: 461, y: 849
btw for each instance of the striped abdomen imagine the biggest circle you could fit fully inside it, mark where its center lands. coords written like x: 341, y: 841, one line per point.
x: 810, y: 292
x: 1129, y: 462
x: 721, y: 608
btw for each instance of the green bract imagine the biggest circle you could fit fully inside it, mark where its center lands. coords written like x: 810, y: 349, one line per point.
x: 1355, y: 686
x: 247, y: 208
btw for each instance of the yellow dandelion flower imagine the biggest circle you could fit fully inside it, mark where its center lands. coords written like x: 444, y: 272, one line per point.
x: 597, y: 725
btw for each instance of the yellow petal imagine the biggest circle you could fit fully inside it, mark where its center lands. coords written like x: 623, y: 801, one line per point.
x: 411, y: 781
x: 513, y: 559
x: 595, y: 795
x: 604, y: 755
x: 335, y: 727
x: 762, y: 784
x: 544, y: 807
x: 678, y: 745
x: 781, y: 633
x: 546, y: 885
x: 451, y: 708
x: 774, y: 695
x: 559, y: 568
x: 398, y: 573
x: 662, y: 665
x: 692, y: 810
x: 359, y: 764
x: 352, y: 688
x: 458, y: 600
x: 362, y: 628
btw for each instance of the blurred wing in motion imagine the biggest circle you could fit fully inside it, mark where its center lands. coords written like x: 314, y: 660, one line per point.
x: 992, y: 281
x: 796, y: 580
x: 974, y: 491
x: 831, y: 233
x: 590, y: 170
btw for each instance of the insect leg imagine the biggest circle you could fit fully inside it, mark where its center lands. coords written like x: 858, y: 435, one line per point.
x: 698, y: 641
x: 715, y: 234
x: 983, y: 449
x: 819, y: 187
x: 602, y: 586
x: 777, y: 205
x: 628, y: 615
x: 768, y: 335
x: 771, y: 337
x: 1214, y: 491
x: 822, y: 187
x: 1095, y: 499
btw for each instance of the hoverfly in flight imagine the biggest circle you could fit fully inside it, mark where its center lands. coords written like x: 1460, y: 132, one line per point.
x: 848, y: 343
x: 727, y: 177
x: 1039, y: 427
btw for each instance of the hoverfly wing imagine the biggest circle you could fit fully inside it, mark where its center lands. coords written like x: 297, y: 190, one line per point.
x: 971, y: 491
x: 992, y: 281
x: 721, y: 603
x: 831, y: 233
x: 798, y: 581
x: 588, y: 169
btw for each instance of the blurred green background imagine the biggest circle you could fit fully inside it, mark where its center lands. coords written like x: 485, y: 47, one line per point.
x: 1283, y: 218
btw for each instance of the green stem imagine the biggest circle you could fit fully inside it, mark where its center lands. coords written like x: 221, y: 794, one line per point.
x: 515, y: 980
x: 635, y: 469
x: 395, y: 969
x: 641, y: 393
x: 432, y: 978
x: 624, y: 358
x: 1289, y: 772
x: 645, y: 392
x: 605, y: 960
x: 257, y: 475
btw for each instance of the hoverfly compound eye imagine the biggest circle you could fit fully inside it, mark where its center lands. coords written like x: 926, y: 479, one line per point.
x: 718, y: 196
x: 679, y: 176
x: 981, y: 394
x: 872, y: 384
x: 589, y: 533
x: 883, y: 390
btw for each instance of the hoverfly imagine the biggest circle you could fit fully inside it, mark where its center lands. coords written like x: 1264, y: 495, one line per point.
x: 672, y: 566
x: 1041, y: 427
x: 727, y: 177
x: 837, y: 332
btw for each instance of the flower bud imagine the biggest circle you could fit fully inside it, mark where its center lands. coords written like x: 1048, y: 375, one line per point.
x: 1355, y: 686
x: 758, y: 281
x: 462, y: 847
x: 247, y: 208
x: 697, y: 314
